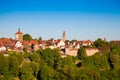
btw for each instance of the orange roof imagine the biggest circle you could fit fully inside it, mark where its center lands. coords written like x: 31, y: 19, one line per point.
x: 19, y: 32
x: 25, y: 43
x: 34, y: 42
x: 43, y: 41
x: 6, y: 42
x: 57, y: 41
x: 1, y: 44
x: 86, y: 41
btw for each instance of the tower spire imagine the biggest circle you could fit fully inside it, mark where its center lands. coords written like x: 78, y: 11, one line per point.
x: 64, y: 36
x: 18, y: 29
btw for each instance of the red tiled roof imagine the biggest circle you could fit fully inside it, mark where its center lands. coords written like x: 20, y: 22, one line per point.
x: 42, y: 41
x: 7, y: 42
x: 87, y: 41
x: 25, y: 43
x: 1, y: 44
x: 57, y: 41
x: 33, y: 42
x: 77, y: 42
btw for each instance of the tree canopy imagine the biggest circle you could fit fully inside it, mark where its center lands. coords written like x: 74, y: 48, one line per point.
x: 27, y: 37
x: 47, y: 64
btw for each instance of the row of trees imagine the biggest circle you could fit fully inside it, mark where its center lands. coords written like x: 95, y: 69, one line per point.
x: 47, y: 64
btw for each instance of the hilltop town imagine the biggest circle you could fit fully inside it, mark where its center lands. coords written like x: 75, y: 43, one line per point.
x: 24, y: 58
x: 66, y: 47
x: 60, y: 40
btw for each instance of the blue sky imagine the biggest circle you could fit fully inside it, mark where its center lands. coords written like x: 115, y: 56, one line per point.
x: 81, y: 19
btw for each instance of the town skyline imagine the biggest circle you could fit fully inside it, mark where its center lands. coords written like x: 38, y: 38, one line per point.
x: 81, y: 20
x: 60, y: 38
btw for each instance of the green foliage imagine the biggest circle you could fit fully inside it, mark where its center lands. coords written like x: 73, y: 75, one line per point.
x: 115, y: 61
x: 103, y: 46
x: 47, y: 64
x: 25, y: 49
x: 40, y: 38
x: 87, y: 74
x: 13, y: 66
x: 98, y: 43
x: 20, y: 57
x: 47, y: 73
x: 81, y: 53
x: 114, y: 57
x: 35, y: 68
x: 26, y: 72
x: 101, y: 61
x: 35, y: 57
x: 67, y: 61
x: 50, y: 56
x: 27, y: 37
x: 26, y: 54
x: 4, y: 65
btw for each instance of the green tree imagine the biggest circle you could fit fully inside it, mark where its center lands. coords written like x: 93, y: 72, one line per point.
x: 40, y: 38
x: 46, y: 72
x: 13, y: 65
x: 114, y: 57
x: 115, y: 61
x: 67, y: 61
x: 27, y: 37
x: 25, y: 72
x: 81, y: 53
x: 20, y: 57
x: 4, y: 65
x: 103, y: 46
x: 98, y: 43
x: 50, y: 56
x: 35, y: 68
x: 101, y: 61
x: 25, y: 49
x: 35, y: 57
x: 85, y: 73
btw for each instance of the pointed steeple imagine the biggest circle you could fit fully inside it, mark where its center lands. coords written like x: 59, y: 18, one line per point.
x: 18, y: 29
x: 64, y: 36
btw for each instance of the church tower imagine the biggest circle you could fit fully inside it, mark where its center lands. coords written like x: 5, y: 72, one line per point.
x: 64, y: 36
x: 19, y: 35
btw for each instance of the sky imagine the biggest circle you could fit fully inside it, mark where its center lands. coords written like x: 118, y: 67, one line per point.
x: 81, y: 19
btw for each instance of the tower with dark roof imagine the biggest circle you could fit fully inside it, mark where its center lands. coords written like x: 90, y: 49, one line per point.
x: 64, y: 36
x: 19, y: 35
